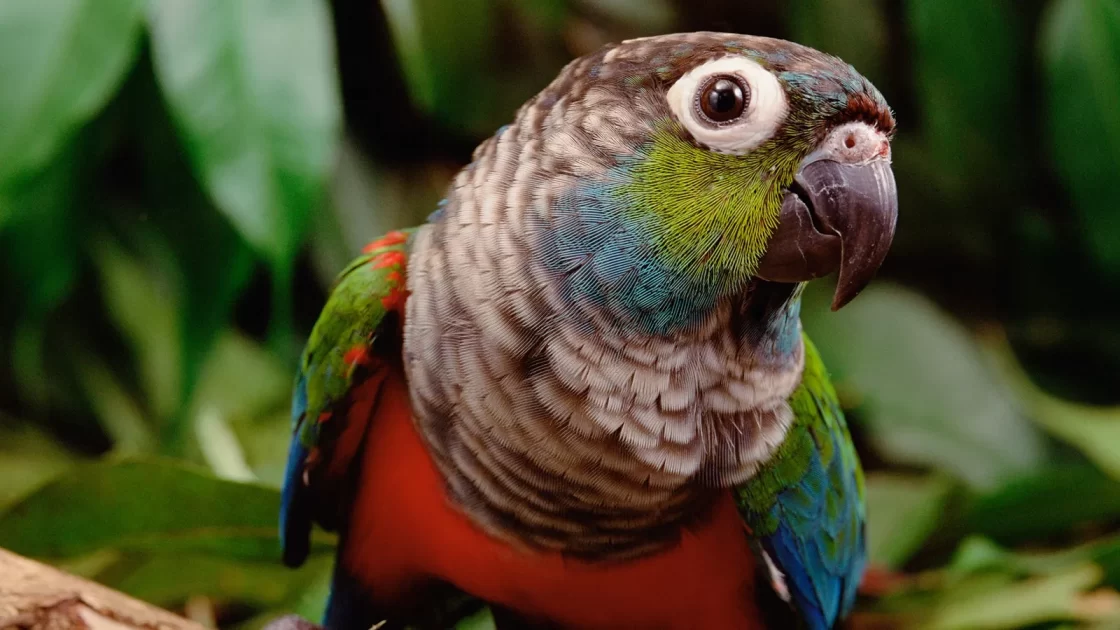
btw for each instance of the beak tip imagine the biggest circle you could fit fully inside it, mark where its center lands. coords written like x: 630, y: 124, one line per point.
x: 842, y: 299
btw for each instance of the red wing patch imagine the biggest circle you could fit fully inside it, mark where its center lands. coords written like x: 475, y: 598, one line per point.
x: 390, y: 239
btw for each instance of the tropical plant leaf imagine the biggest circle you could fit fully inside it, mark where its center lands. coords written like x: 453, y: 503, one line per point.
x: 902, y: 511
x: 39, y: 260
x: 28, y: 458
x: 1075, y: 496
x: 1018, y: 604
x: 60, y: 62
x: 936, y: 401
x: 151, y: 506
x: 854, y: 30
x: 966, y: 92
x: 168, y: 579
x: 253, y: 91
x: 144, y: 304
x: 1081, y: 51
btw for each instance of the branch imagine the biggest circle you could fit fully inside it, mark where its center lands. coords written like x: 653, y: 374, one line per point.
x: 34, y: 596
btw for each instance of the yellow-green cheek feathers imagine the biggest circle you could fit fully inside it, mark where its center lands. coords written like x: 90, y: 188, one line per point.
x: 709, y: 214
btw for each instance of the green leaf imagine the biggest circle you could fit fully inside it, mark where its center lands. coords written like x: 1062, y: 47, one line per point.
x: 1020, y: 604
x: 151, y: 506
x: 1094, y: 431
x: 646, y: 16
x: 144, y: 304
x: 1081, y: 51
x: 481, y: 620
x: 923, y: 389
x: 39, y: 258
x: 206, y: 259
x: 454, y: 55
x: 168, y: 579
x: 245, y: 393
x: 902, y: 511
x: 309, y: 599
x: 966, y: 91
x: 1075, y: 495
x: 28, y: 458
x: 854, y: 30
x: 119, y: 412
x: 220, y: 447
x: 441, y: 48
x: 402, y: 196
x: 977, y: 554
x: 60, y: 62
x: 252, y: 88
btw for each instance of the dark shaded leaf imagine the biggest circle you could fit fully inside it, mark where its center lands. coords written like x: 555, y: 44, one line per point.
x: 854, y: 30
x: 966, y: 92
x: 39, y: 259
x: 199, y: 251
x: 60, y: 62
x: 1081, y: 51
x: 1050, y: 501
x: 440, y: 46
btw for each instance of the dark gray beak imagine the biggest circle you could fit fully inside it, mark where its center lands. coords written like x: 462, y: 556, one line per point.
x: 835, y: 216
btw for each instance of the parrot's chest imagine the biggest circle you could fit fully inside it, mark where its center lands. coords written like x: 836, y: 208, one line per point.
x: 561, y: 433
x: 405, y: 535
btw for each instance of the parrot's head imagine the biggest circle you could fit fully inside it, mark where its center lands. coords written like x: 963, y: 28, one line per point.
x: 702, y: 164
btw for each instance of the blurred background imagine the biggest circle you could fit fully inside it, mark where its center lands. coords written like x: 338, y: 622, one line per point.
x: 181, y: 179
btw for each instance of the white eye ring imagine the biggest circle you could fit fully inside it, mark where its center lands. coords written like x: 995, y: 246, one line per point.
x: 764, y: 112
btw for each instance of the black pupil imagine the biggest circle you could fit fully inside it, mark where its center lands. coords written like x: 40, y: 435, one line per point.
x: 724, y: 100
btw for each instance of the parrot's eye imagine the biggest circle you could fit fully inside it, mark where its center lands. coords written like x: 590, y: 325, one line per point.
x: 723, y: 98
x: 730, y: 104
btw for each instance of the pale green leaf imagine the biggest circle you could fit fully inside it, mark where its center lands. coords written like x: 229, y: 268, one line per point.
x: 902, y: 511
x: 1095, y: 431
x: 60, y: 62
x: 28, y: 459
x: 120, y: 413
x: 922, y: 386
x: 220, y: 447
x: 144, y: 304
x: 1020, y: 604
x: 252, y: 88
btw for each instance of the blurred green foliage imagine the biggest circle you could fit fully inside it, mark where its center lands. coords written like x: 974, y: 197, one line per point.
x: 180, y: 180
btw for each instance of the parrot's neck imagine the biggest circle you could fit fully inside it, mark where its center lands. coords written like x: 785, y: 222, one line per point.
x: 556, y: 431
x: 553, y: 421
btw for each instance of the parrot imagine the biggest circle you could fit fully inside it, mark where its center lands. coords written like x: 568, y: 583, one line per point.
x: 580, y: 393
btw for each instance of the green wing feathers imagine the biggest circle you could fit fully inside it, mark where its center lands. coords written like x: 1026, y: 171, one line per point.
x: 341, y: 355
x: 805, y: 507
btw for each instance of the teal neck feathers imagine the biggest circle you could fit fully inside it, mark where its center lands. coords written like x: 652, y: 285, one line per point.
x: 668, y: 232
